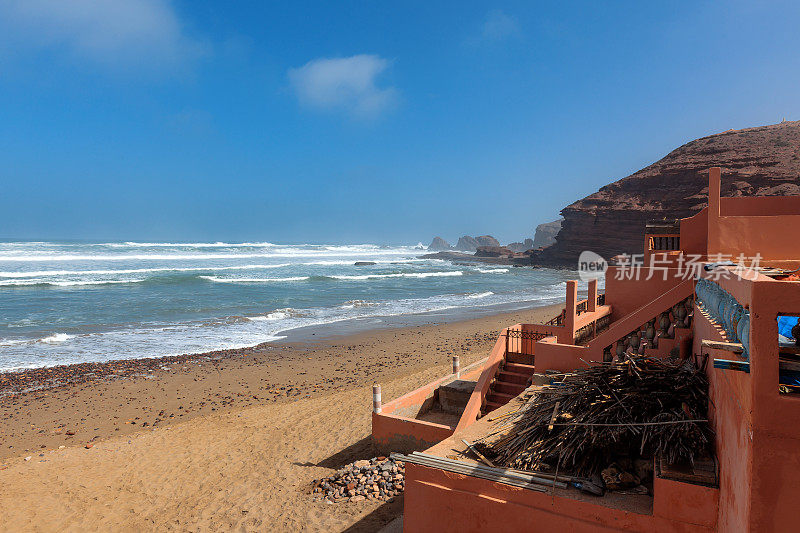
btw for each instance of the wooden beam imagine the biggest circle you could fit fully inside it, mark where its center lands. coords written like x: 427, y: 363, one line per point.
x: 735, y: 347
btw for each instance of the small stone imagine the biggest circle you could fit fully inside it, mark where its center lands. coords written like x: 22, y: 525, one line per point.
x: 357, y: 498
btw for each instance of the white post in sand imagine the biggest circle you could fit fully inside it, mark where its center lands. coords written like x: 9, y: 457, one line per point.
x: 456, y: 366
x: 376, y: 398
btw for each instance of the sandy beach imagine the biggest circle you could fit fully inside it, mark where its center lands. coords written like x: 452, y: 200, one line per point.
x: 219, y: 441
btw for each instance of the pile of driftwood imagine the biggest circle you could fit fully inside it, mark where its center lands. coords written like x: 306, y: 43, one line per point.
x: 638, y: 407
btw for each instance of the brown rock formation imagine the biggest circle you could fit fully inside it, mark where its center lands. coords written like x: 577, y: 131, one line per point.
x: 763, y: 161
x: 438, y: 244
x: 493, y: 251
x: 486, y: 240
x: 466, y: 244
x: 546, y: 234
x: 521, y: 246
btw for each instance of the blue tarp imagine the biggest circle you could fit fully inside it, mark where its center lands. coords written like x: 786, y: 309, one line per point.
x: 785, y: 325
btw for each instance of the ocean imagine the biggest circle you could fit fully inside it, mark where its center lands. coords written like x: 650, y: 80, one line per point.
x: 72, y: 302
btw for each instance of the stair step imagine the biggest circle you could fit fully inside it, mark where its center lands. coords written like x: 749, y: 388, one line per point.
x: 498, y: 397
x: 491, y: 406
x: 508, y: 388
x: 519, y: 368
x: 523, y: 358
x: 513, y: 377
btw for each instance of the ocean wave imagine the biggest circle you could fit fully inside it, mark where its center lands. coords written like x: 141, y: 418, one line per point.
x: 352, y: 304
x: 131, y: 244
x: 480, y: 295
x: 12, y: 342
x: 492, y: 270
x: 399, y: 275
x: 55, y: 338
x: 38, y: 273
x: 45, y: 283
x: 361, y: 254
x: 217, y: 279
x: 280, y: 314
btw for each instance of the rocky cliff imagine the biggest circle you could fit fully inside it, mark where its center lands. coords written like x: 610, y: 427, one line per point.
x: 546, y: 234
x: 763, y: 161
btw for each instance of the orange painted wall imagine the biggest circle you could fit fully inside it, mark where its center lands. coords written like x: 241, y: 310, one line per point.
x: 730, y: 414
x: 403, y: 434
x: 694, y: 234
x: 625, y: 296
x: 776, y: 417
x: 551, y: 355
x: 438, y: 501
x: 473, y: 409
x: 768, y: 236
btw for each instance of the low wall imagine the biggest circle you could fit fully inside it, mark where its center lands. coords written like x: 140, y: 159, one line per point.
x: 395, y: 428
x: 439, y: 501
x: 550, y: 355
x: 489, y: 370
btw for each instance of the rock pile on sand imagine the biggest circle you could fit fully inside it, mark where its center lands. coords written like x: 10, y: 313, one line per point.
x: 380, y: 478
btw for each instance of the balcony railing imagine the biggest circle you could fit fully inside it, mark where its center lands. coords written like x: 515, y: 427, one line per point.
x: 519, y: 341
x: 556, y: 320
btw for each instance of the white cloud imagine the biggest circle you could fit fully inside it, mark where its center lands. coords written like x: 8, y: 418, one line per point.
x: 115, y: 33
x: 348, y: 83
x: 499, y: 25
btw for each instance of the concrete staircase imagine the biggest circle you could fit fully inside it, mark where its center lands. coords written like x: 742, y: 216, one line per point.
x: 513, y: 377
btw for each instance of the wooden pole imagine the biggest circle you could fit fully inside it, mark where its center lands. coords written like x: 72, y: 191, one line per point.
x: 376, y: 398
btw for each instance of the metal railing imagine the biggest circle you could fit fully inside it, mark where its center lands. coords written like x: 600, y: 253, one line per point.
x: 518, y: 341
x: 583, y: 306
x: 663, y: 243
x: 556, y: 320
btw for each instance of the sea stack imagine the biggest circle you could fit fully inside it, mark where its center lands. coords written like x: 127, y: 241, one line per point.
x: 438, y: 244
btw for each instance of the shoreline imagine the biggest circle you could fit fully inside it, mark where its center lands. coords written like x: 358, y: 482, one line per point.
x: 216, y: 380
x: 26, y: 380
x: 225, y: 441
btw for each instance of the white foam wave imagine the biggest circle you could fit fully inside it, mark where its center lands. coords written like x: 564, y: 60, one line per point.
x: 131, y: 244
x: 352, y: 304
x: 56, y: 338
x: 400, y: 275
x: 278, y: 314
x: 38, y: 273
x: 492, y: 270
x: 480, y: 295
x: 12, y: 342
x: 285, y: 253
x: 217, y: 279
x: 32, y: 282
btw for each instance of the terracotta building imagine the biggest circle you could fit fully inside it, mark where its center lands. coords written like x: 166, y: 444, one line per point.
x: 714, y: 285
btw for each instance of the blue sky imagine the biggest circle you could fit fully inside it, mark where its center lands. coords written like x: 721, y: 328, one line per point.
x: 361, y: 121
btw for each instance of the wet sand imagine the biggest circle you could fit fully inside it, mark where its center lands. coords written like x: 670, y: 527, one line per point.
x: 214, y: 441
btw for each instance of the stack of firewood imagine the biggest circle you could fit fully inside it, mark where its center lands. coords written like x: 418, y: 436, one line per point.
x: 638, y: 407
